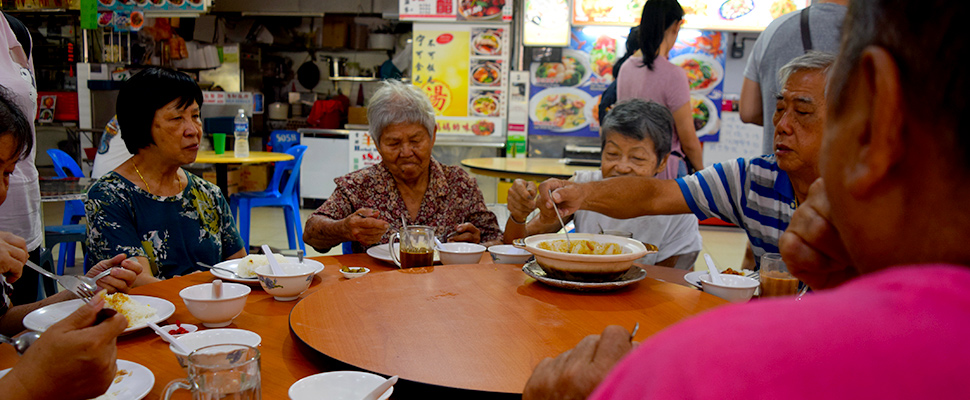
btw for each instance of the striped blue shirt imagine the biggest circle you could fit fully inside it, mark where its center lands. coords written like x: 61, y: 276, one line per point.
x: 754, y: 194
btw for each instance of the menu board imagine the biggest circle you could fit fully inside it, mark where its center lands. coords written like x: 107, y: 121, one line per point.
x: 363, y: 151
x: 464, y: 69
x: 717, y: 15
x: 702, y: 55
x: 546, y: 23
x: 607, y: 12
x: 152, y: 5
x: 456, y: 10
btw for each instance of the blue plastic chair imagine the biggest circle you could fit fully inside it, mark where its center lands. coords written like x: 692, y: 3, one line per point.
x: 277, y: 194
x: 66, y: 167
x: 347, y: 247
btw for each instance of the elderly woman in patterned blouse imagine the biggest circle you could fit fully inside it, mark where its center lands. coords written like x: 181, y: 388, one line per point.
x: 408, y: 182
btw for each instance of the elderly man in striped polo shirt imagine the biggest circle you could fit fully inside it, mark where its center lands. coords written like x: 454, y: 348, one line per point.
x: 759, y: 194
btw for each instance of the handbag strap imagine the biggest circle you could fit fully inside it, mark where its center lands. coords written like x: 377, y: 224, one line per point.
x: 806, y: 31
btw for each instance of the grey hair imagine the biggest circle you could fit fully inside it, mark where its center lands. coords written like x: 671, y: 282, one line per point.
x: 398, y: 103
x: 640, y: 119
x: 811, y: 61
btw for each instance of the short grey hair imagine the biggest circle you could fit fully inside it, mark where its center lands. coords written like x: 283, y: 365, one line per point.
x: 398, y: 103
x: 639, y: 119
x: 811, y: 61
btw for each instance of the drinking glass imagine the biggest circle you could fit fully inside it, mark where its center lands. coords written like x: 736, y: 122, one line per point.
x: 221, y: 371
x: 775, y: 278
x: 416, y: 248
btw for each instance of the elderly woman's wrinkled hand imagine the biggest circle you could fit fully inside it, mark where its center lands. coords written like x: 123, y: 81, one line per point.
x: 812, y: 247
x: 364, y: 226
x: 576, y: 373
x: 13, y: 256
x: 565, y: 195
x: 522, y: 199
x: 124, y: 271
x: 466, y: 232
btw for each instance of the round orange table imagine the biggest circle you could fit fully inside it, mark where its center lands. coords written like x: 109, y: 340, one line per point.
x: 222, y: 162
x: 531, y: 168
x: 482, y: 327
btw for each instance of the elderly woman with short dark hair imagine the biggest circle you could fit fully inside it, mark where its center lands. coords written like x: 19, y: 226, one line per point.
x: 407, y: 183
x: 149, y: 207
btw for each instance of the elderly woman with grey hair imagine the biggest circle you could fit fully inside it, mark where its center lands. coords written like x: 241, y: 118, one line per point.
x: 758, y: 194
x: 635, y: 138
x: 408, y: 183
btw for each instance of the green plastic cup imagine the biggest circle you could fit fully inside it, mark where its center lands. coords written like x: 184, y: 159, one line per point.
x: 219, y: 142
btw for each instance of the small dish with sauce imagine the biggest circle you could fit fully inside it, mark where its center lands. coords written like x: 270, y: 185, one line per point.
x: 354, y: 272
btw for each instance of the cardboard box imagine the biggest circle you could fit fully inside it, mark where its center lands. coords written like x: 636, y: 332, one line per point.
x: 357, y: 115
x: 232, y: 178
x: 334, y: 35
x: 255, y: 177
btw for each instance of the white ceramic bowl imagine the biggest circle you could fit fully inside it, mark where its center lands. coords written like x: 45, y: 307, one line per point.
x: 215, y: 313
x: 337, y: 385
x: 460, y: 253
x: 290, y: 285
x: 352, y: 275
x: 200, y: 339
x: 585, y: 267
x: 508, y: 254
x: 735, y: 288
x: 170, y: 327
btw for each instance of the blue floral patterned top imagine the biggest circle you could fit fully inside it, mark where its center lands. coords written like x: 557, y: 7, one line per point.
x: 173, y: 232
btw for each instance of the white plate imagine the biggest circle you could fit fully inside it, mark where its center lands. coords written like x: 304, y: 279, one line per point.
x: 694, y: 278
x: 42, y: 318
x: 580, y: 57
x: 713, y: 122
x: 132, y: 386
x: 633, y: 275
x: 337, y: 385
x: 380, y: 252
x: 232, y: 265
x: 703, y: 59
x: 587, y: 109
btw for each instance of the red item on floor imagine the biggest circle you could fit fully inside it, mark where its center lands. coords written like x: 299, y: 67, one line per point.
x: 325, y: 114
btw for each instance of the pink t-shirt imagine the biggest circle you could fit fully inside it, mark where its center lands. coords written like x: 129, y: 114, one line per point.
x: 898, y: 333
x: 665, y: 84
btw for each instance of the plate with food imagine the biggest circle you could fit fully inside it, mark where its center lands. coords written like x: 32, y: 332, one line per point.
x: 602, y: 57
x: 107, y: 3
x: 139, y: 310
x: 132, y: 381
x: 561, y: 109
x: 380, y: 252
x: 573, y: 70
x: 488, y: 42
x: 781, y: 7
x: 486, y: 73
x: 703, y: 72
x: 633, y: 275
x: 485, y: 104
x: 584, y: 257
x: 480, y: 9
x: 483, y: 128
x: 734, y: 9
x: 705, y: 116
x: 246, y: 267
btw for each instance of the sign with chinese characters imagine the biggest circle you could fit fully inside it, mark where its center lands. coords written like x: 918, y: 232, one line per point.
x: 363, y: 151
x: 456, y: 10
x: 239, y: 98
x: 546, y: 23
x: 478, y: 126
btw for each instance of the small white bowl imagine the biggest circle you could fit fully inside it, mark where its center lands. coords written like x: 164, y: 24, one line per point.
x: 460, y: 253
x: 337, y: 385
x: 508, y: 254
x: 197, y: 340
x: 215, y: 313
x: 735, y: 288
x: 290, y: 285
x: 171, y: 327
x: 352, y: 275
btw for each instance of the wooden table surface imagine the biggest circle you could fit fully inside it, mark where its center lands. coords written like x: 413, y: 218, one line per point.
x: 548, y: 312
x: 531, y: 168
x: 210, y: 157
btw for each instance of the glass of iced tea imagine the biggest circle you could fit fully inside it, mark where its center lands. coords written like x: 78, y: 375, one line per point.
x: 416, y: 247
x: 775, y: 278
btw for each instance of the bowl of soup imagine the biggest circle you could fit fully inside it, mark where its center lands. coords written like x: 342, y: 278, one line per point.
x: 585, y: 257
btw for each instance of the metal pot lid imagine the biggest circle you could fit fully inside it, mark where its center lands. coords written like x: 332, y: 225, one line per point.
x: 308, y: 75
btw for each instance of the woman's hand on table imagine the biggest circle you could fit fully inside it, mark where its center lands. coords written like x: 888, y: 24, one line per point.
x: 576, y: 373
x: 466, y: 232
x: 122, y: 278
x: 522, y: 199
x: 74, y: 359
x: 365, y: 226
x: 13, y: 256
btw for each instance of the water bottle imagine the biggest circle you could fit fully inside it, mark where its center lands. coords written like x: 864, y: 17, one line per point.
x: 241, y: 132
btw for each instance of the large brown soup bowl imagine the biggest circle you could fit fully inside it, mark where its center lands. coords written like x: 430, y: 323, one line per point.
x: 585, y: 267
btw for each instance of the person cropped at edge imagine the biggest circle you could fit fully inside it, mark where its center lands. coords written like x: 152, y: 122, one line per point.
x: 882, y: 237
x: 635, y: 138
x: 655, y: 78
x: 74, y: 352
x: 149, y: 207
x: 758, y: 194
x: 407, y: 182
x: 780, y: 42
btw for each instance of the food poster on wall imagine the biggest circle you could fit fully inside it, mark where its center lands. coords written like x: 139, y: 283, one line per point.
x: 456, y: 10
x: 565, y: 95
x: 546, y: 23
x: 463, y: 69
x: 736, y: 15
x: 127, y: 6
x: 363, y: 151
x: 702, y: 55
x: 607, y: 12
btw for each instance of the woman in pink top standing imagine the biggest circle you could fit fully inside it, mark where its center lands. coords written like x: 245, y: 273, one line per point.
x: 658, y: 80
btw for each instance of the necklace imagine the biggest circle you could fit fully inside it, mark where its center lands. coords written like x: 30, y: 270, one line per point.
x: 149, y: 187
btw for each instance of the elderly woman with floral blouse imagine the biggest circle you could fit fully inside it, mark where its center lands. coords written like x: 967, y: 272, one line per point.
x: 408, y: 182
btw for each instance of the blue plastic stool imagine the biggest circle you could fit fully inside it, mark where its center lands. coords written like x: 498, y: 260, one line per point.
x: 275, y: 196
x: 66, y: 167
x: 347, y: 247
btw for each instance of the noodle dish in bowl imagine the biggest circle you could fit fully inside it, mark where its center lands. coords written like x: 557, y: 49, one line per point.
x: 587, y: 257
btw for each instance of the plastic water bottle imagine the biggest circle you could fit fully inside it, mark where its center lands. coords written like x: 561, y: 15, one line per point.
x: 241, y: 132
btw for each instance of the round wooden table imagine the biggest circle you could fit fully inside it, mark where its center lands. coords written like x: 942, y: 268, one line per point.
x: 532, y: 168
x: 481, y: 328
x: 223, y: 160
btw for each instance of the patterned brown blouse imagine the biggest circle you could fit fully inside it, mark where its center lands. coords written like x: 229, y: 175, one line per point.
x: 452, y: 198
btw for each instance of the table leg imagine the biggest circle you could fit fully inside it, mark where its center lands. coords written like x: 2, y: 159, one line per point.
x: 222, y: 179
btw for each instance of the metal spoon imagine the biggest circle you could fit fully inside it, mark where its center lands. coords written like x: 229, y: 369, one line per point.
x: 22, y: 342
x: 635, y: 329
x: 555, y: 207
x: 202, y: 264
